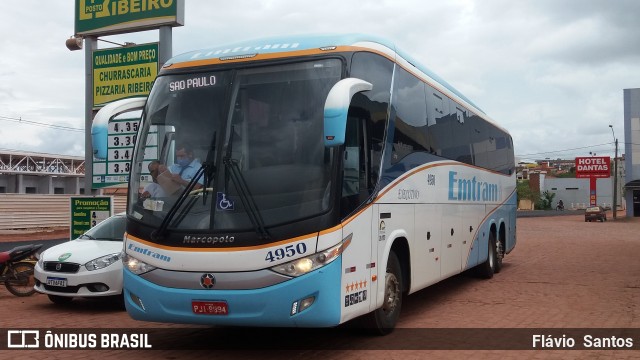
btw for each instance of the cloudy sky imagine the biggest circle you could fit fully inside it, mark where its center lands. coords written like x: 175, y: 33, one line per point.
x: 551, y: 72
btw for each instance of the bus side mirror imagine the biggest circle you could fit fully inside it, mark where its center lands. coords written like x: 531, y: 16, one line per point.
x: 336, y: 108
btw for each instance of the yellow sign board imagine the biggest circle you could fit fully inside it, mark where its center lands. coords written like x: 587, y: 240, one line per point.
x: 120, y: 73
x: 106, y: 17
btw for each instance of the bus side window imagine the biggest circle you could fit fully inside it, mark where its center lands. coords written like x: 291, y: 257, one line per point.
x: 410, y: 134
x: 351, y: 161
x: 439, y: 131
x: 372, y: 106
x: 356, y: 185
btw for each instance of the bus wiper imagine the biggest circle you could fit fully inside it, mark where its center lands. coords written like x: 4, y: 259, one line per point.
x: 158, y: 235
x: 247, y: 199
x: 207, y: 169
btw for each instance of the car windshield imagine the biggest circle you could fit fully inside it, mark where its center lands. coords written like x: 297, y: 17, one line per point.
x: 253, y: 139
x: 111, y: 229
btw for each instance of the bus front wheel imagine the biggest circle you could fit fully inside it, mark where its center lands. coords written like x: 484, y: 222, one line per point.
x: 383, y: 320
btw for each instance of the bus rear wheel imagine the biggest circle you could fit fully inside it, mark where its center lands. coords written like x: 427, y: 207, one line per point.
x: 383, y: 320
x: 494, y: 262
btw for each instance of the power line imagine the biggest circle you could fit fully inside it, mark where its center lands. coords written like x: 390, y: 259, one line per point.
x: 564, y: 150
x: 36, y: 123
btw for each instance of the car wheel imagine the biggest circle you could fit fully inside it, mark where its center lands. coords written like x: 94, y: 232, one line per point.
x: 60, y: 300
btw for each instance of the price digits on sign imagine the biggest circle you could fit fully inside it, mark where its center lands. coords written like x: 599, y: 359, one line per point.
x: 121, y: 168
x: 122, y: 154
x: 125, y: 126
x: 124, y: 140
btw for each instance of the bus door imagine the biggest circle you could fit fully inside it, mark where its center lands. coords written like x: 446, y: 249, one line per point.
x: 358, y: 262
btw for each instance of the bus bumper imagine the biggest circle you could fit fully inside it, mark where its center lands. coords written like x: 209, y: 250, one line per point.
x: 270, y: 306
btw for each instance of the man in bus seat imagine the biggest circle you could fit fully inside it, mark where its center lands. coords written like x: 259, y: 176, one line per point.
x: 185, y: 167
x: 154, y: 189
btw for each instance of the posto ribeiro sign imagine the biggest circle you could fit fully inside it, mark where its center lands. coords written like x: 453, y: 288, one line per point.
x: 108, y: 17
x: 593, y: 166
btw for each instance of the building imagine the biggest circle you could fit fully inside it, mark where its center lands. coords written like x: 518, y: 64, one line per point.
x: 632, y: 150
x: 574, y: 193
x: 37, y: 173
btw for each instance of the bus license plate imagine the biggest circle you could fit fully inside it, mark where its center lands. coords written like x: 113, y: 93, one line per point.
x: 210, y: 307
x: 59, y: 282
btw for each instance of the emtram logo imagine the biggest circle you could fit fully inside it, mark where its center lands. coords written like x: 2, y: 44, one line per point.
x: 472, y: 189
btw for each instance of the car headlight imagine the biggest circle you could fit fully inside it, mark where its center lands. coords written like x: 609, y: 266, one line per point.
x: 312, y: 262
x: 103, y: 262
x: 40, y: 262
x: 136, y: 266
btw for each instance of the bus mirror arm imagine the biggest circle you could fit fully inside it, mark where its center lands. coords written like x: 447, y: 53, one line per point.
x: 336, y: 108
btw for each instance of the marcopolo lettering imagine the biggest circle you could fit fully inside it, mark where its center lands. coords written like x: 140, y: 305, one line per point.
x: 188, y: 239
x: 461, y: 189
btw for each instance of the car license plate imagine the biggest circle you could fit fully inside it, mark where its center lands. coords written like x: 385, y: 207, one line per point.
x: 210, y: 307
x: 59, y: 282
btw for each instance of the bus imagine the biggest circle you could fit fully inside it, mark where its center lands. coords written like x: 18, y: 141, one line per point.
x: 332, y: 176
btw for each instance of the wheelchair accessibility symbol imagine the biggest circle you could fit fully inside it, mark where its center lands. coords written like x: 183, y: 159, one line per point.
x: 222, y: 203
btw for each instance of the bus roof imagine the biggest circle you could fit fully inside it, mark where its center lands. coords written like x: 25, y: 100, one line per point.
x: 288, y: 44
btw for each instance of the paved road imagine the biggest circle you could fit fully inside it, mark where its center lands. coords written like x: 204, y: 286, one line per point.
x: 564, y: 273
x: 4, y: 246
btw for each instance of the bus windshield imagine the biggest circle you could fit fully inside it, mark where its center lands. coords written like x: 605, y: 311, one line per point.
x: 253, y: 140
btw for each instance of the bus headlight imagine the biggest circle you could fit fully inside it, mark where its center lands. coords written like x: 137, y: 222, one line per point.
x: 136, y: 266
x: 312, y: 262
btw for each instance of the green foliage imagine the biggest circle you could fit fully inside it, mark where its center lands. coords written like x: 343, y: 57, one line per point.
x: 545, y: 200
x: 571, y: 174
x: 524, y: 191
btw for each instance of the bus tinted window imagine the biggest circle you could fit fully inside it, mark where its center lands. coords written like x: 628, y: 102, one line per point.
x: 410, y: 133
x: 372, y: 106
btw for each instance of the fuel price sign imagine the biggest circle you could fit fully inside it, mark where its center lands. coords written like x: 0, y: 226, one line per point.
x: 121, y: 137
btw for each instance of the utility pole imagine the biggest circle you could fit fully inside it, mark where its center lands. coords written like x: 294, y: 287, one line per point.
x: 615, y: 184
x: 615, y: 177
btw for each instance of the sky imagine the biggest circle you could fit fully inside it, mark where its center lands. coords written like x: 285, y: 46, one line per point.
x: 551, y: 72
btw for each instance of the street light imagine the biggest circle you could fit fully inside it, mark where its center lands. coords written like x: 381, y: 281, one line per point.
x: 615, y: 177
x: 74, y: 43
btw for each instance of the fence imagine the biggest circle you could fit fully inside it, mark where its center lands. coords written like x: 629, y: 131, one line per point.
x: 21, y: 211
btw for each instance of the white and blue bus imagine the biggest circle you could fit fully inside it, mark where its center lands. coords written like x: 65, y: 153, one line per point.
x: 331, y: 176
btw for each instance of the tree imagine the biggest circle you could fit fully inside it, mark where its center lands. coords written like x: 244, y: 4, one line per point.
x: 545, y: 200
x: 524, y: 191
